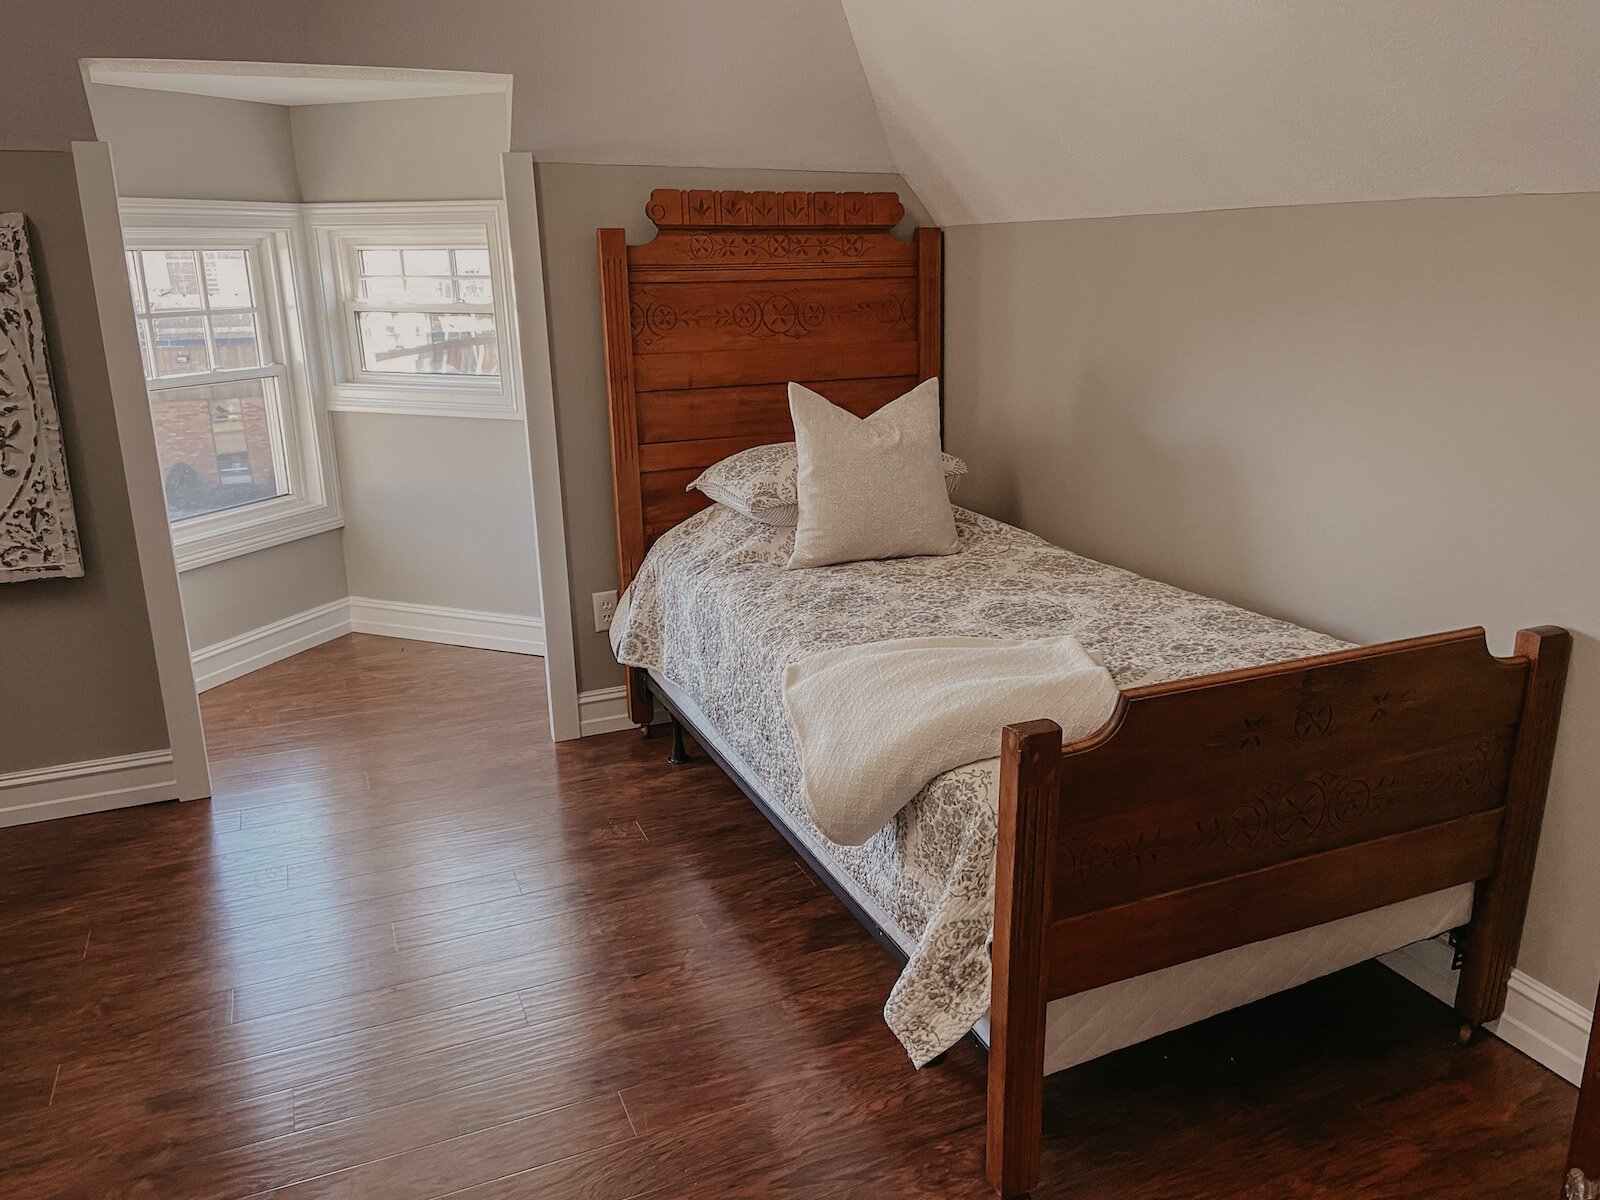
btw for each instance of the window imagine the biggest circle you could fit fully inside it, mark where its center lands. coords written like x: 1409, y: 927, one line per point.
x: 215, y: 387
x: 425, y: 311
x: 415, y: 294
x: 243, y: 454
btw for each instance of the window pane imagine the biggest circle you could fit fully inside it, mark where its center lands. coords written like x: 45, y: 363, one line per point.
x: 426, y: 262
x: 395, y: 289
x: 380, y: 262
x: 237, y: 344
x: 227, y: 278
x: 215, y: 446
x: 178, y: 346
x: 428, y: 343
x: 475, y: 291
x: 472, y: 262
x: 171, y: 279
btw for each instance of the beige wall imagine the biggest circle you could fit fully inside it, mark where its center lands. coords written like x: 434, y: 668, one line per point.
x: 78, y: 675
x: 184, y: 147
x: 438, y: 511
x: 444, y: 148
x: 1374, y: 419
x: 703, y: 82
x: 575, y: 200
x: 222, y: 600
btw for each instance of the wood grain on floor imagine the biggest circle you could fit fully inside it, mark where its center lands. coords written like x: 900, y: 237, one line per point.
x: 412, y: 949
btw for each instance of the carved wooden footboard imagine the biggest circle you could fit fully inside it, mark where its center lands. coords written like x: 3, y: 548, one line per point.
x: 1220, y: 811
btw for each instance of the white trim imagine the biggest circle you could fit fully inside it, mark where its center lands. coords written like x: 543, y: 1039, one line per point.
x: 209, y: 214
x: 277, y: 233
x: 224, y: 661
x: 97, y: 194
x: 450, y: 626
x: 549, y: 514
x: 84, y: 787
x: 334, y: 228
x: 265, y: 525
x: 1546, y: 1026
x: 227, y: 660
x: 1539, y: 1021
x: 289, y: 83
x: 604, y: 710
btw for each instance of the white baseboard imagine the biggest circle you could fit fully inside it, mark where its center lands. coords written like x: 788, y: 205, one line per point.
x: 604, y: 710
x: 451, y: 626
x: 84, y: 787
x: 1546, y: 1026
x: 1542, y: 1023
x: 227, y: 660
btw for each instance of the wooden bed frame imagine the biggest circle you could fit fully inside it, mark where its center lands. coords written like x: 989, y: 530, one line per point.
x: 1208, y: 813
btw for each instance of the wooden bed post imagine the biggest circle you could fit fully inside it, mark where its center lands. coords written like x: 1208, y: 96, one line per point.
x: 1501, y: 902
x: 612, y: 246
x: 1030, y: 761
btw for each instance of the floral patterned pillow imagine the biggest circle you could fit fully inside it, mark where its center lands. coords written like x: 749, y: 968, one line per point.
x: 760, y: 482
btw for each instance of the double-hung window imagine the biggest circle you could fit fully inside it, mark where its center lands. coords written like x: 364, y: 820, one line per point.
x: 422, y: 311
x: 243, y: 453
x: 415, y: 295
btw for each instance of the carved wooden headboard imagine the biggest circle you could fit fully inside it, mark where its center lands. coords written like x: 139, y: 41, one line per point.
x: 739, y: 293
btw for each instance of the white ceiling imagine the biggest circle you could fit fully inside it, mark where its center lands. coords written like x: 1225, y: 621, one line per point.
x: 289, y: 83
x: 1050, y: 109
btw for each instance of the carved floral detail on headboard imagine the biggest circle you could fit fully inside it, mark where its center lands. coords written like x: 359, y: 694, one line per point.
x: 671, y: 208
x: 791, y: 247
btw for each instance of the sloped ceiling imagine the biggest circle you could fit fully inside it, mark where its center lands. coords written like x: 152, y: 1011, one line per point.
x: 712, y: 83
x: 994, y: 110
x: 1049, y: 109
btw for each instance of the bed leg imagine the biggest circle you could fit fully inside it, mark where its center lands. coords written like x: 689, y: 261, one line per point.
x: 680, y: 754
x: 641, y: 704
x: 1501, y: 902
x: 1030, y: 760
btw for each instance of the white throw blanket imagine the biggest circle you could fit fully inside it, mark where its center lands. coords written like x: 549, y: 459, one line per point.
x: 874, y: 723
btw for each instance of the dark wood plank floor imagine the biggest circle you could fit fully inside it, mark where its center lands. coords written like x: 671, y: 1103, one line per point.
x: 413, y: 950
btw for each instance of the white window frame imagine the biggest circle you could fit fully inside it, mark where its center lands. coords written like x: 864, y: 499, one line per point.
x: 339, y: 232
x: 274, y: 235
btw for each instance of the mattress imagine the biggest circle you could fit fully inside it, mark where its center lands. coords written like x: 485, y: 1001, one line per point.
x: 1087, y: 1025
x: 714, y: 616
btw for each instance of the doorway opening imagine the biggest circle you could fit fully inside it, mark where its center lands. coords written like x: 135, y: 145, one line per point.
x: 319, y: 263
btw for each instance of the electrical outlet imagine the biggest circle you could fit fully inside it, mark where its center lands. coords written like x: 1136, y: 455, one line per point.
x: 605, y: 607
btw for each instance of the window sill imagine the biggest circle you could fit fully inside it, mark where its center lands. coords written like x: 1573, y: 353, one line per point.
x: 426, y: 402
x: 220, y: 536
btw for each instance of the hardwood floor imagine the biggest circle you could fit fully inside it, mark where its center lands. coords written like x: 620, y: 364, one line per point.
x: 412, y: 950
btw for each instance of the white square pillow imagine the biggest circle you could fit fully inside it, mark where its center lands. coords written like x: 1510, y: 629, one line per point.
x: 873, y: 487
x: 759, y: 482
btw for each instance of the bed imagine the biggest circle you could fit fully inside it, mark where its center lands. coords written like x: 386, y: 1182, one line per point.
x: 1266, y: 804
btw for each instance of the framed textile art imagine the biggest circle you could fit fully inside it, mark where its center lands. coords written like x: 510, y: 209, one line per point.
x: 38, y: 529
